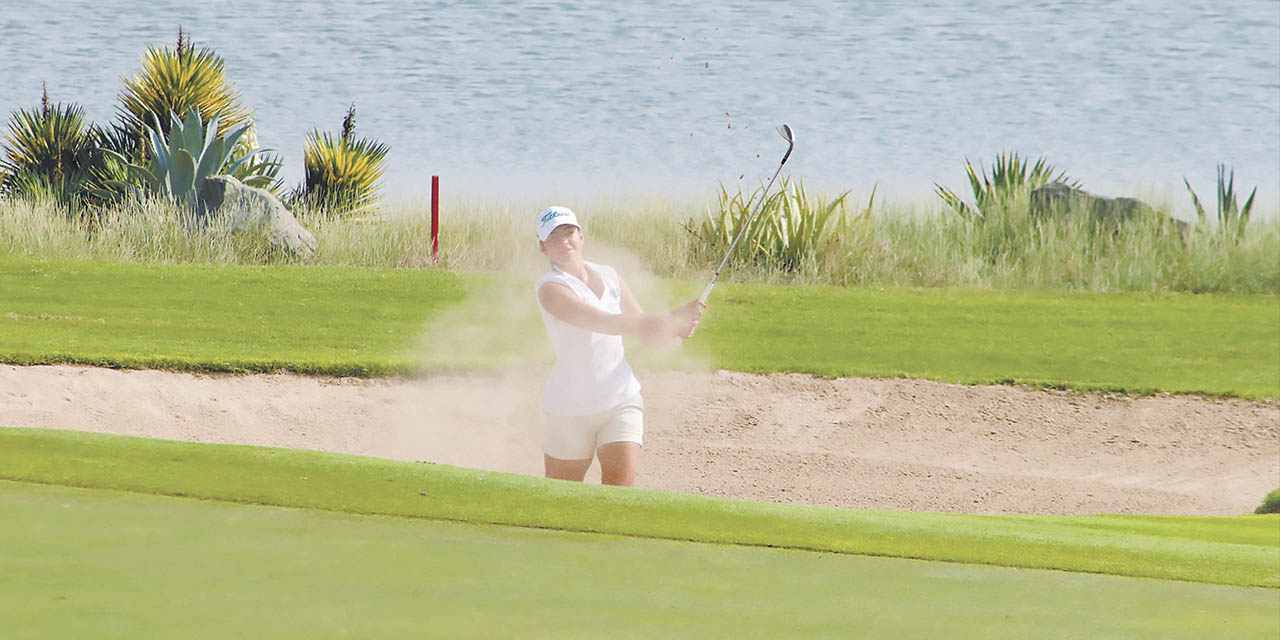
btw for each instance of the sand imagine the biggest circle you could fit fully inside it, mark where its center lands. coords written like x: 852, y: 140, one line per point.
x: 848, y: 442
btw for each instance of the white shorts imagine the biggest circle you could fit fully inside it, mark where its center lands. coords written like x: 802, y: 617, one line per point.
x: 578, y: 437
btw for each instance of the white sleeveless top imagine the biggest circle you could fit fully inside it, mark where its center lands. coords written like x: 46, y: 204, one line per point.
x: 590, y: 375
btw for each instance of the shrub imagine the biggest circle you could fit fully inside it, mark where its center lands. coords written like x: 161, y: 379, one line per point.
x: 341, y: 173
x: 175, y: 81
x: 1010, y: 180
x: 1271, y: 503
x: 50, y: 150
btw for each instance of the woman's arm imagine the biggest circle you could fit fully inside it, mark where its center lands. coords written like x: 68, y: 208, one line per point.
x: 565, y: 305
x: 654, y: 329
x: 681, y: 321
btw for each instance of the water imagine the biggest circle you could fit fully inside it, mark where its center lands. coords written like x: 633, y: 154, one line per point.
x: 514, y: 100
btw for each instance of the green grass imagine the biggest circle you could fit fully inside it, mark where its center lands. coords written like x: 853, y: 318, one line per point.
x: 1242, y: 551
x: 365, y: 321
x: 1115, y: 342
x: 334, y: 320
x: 94, y: 563
x: 332, y: 565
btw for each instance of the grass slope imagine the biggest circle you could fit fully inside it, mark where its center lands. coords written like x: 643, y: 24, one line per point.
x: 335, y: 320
x: 90, y: 563
x: 355, y: 321
x: 1242, y: 550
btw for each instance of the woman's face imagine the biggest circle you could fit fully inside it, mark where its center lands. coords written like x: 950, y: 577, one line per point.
x: 564, y: 244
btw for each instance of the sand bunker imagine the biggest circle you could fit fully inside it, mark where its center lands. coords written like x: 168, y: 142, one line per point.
x: 883, y: 444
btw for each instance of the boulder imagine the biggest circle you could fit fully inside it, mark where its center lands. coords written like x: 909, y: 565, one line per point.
x: 1059, y: 199
x: 252, y: 209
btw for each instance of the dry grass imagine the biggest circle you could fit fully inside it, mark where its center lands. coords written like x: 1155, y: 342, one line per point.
x: 913, y: 245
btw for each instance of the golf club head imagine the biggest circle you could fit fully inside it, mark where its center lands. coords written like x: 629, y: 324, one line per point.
x: 787, y: 134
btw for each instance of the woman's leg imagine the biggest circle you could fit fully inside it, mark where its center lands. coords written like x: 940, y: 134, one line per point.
x: 574, y: 470
x: 618, y: 462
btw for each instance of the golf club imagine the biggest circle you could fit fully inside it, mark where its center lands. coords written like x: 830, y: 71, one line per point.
x: 785, y: 131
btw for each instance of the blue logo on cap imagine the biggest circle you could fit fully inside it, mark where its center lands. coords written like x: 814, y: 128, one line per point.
x: 552, y: 215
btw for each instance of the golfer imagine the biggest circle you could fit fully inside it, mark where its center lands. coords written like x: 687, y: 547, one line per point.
x: 592, y: 399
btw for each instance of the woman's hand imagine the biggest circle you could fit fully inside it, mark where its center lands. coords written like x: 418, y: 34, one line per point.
x: 662, y: 329
x: 687, y: 317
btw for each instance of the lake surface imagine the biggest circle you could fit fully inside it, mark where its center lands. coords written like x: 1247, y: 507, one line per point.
x: 511, y: 100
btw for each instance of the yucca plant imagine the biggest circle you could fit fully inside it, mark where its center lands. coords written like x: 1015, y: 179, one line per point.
x: 1232, y: 218
x: 50, y: 150
x: 787, y: 234
x: 175, y: 81
x: 342, y: 173
x: 1009, y: 179
x: 193, y: 151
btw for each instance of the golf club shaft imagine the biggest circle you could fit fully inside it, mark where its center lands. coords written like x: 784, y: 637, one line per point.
x: 763, y: 197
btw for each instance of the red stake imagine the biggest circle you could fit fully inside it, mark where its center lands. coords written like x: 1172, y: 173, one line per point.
x: 435, y: 219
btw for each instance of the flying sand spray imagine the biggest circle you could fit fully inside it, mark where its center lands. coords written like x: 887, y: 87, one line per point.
x: 785, y: 131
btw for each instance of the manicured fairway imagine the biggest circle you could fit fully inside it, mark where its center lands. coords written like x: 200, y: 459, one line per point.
x: 1119, y: 342
x: 94, y: 563
x: 217, y: 318
x: 352, y: 321
x: 1240, y: 550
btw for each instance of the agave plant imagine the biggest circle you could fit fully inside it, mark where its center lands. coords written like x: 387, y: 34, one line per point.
x: 342, y: 172
x: 787, y: 233
x: 175, y: 81
x: 1009, y: 178
x: 1232, y: 218
x: 49, y: 150
x: 193, y: 151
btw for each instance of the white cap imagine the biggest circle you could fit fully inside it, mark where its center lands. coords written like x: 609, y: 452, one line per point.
x: 553, y: 217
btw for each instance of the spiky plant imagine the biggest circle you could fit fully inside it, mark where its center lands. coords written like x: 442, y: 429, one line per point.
x: 174, y: 81
x: 49, y: 150
x: 787, y: 234
x: 1232, y: 218
x: 1009, y: 179
x: 342, y: 172
x: 192, y: 151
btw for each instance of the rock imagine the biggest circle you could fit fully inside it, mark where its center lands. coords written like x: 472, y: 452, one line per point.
x: 251, y: 209
x: 1059, y: 199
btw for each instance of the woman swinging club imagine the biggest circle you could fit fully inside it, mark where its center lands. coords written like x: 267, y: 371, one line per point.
x: 592, y: 399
